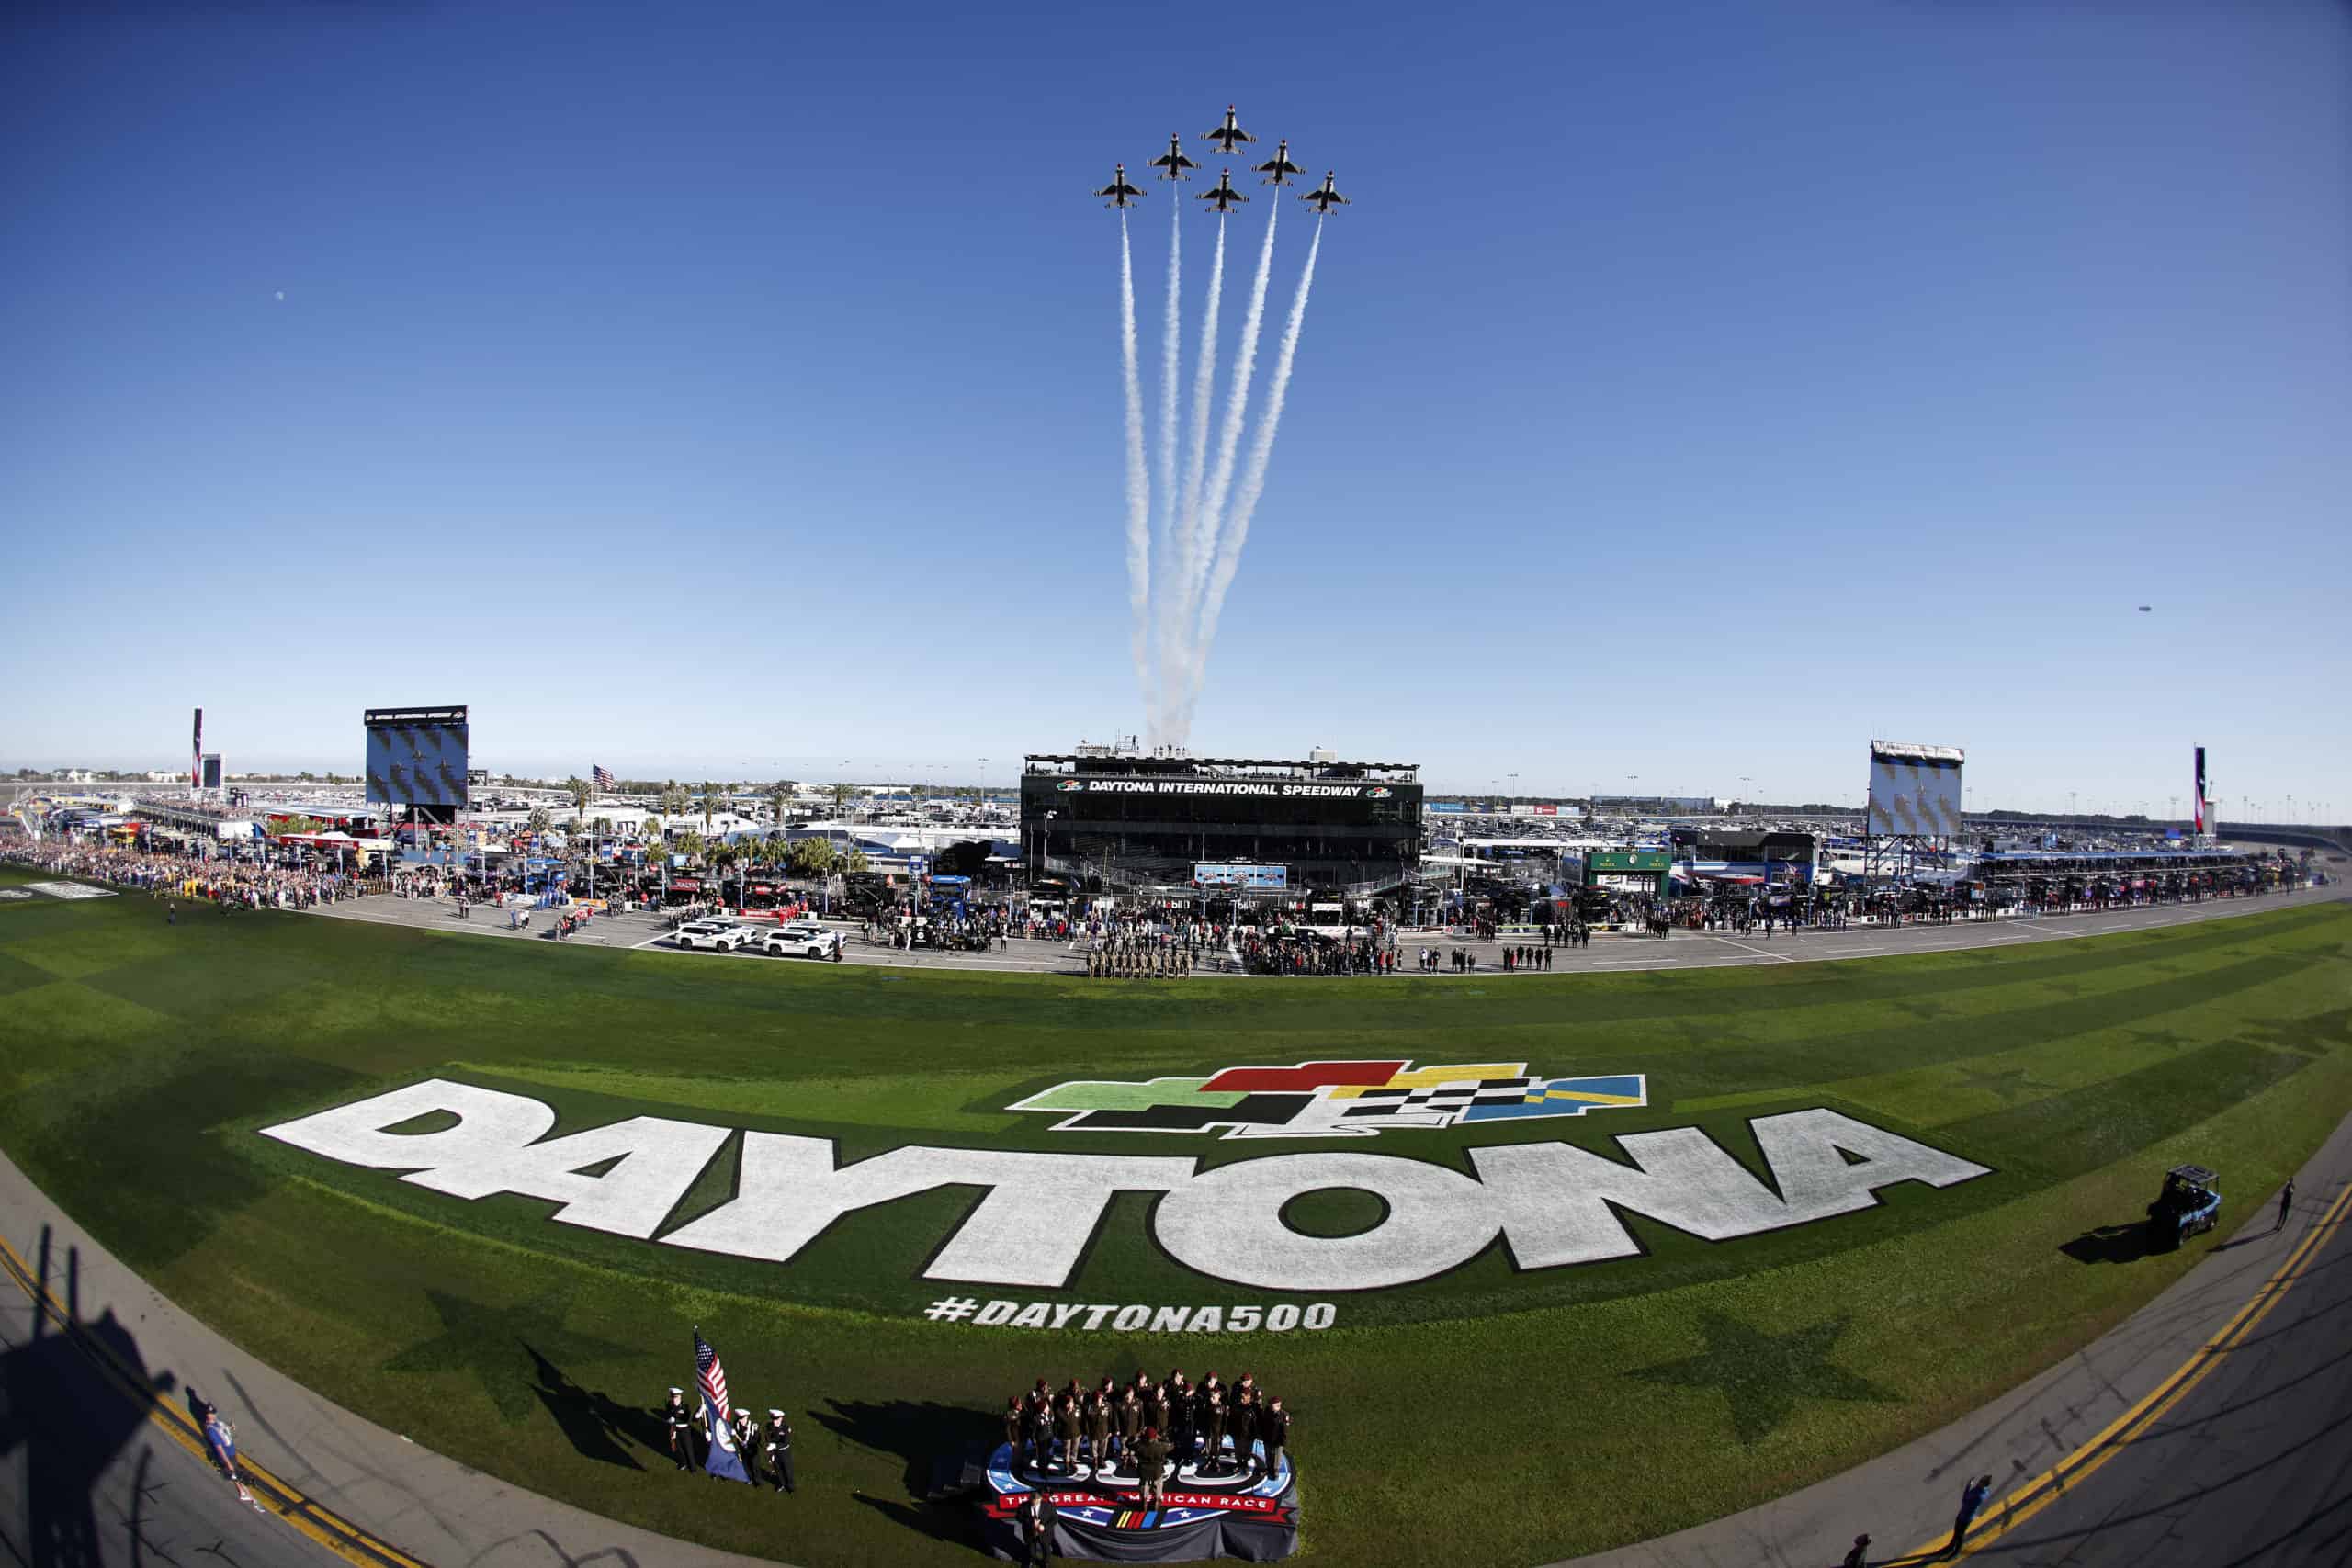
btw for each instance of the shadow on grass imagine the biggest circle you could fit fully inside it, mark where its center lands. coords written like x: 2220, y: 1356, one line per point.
x: 595, y: 1422
x: 921, y: 1433
x: 2110, y: 1244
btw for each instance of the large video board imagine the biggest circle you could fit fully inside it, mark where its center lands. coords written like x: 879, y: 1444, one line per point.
x: 1225, y: 874
x: 416, y: 757
x: 1914, y: 790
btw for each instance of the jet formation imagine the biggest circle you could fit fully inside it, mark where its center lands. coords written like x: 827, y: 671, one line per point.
x: 1121, y: 193
x: 1172, y: 164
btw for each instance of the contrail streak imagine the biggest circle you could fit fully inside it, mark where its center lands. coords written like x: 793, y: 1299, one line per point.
x: 1138, y: 481
x: 1174, y: 656
x: 1228, y: 442
x: 1171, y: 393
x: 1253, y: 485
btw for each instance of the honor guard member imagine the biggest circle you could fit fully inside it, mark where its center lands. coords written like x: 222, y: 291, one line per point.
x: 746, y: 1443
x: 1067, y: 1426
x: 1109, y: 1393
x: 1152, y: 1465
x: 1246, y: 1388
x: 1037, y: 1428
x: 1130, y: 1419
x: 775, y: 1442
x: 1098, y: 1432
x: 1274, y: 1430
x: 1242, y: 1420
x: 681, y: 1422
x: 1212, y: 1424
x: 1157, y: 1412
x: 1015, y: 1420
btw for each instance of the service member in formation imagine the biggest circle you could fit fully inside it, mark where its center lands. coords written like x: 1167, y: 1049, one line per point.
x: 1242, y: 1420
x: 1015, y: 1420
x: 1274, y: 1430
x: 746, y: 1443
x: 1067, y: 1424
x: 1098, y: 1433
x: 1037, y: 1426
x: 681, y: 1422
x: 777, y: 1444
x: 1157, y: 1412
x: 1130, y: 1419
x: 1212, y: 1427
x: 1152, y: 1465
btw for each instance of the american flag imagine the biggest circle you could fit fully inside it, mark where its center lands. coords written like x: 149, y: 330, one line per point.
x: 709, y: 1374
x: 598, y: 776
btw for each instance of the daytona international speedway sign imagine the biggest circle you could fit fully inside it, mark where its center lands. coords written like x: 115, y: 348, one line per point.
x: 1552, y: 1204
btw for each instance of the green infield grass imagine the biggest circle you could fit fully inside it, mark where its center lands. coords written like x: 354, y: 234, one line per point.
x: 1486, y: 1413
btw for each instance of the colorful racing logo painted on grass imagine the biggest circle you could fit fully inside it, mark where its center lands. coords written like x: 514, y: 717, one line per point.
x: 1339, y: 1099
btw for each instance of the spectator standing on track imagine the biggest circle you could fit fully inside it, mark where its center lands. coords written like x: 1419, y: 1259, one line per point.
x: 1971, y: 1498
x: 2286, y: 1205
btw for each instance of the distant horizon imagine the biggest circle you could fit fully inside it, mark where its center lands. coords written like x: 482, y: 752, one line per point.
x: 2152, y: 808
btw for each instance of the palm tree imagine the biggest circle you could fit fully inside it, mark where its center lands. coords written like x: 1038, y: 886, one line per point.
x: 577, y: 788
x: 777, y: 795
x: 708, y: 789
x: 689, y: 844
x: 841, y: 793
x: 674, y: 800
x: 539, y: 821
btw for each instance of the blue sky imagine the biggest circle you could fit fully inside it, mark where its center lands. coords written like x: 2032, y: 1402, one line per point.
x: 1693, y: 392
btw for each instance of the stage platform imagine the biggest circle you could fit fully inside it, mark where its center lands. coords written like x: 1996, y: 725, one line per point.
x: 1207, y: 1510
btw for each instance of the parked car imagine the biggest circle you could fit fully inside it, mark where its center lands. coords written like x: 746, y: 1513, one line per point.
x: 715, y: 936
x: 803, y: 942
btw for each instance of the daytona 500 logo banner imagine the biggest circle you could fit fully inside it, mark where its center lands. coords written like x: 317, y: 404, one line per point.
x: 1552, y: 1205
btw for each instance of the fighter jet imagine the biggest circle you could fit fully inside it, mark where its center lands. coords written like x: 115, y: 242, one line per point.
x: 1278, y: 169
x: 1172, y: 165
x: 1228, y: 134
x: 1121, y: 193
x: 1325, y: 198
x: 1224, y: 196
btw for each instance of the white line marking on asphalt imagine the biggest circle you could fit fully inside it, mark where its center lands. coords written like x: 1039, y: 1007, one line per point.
x: 1776, y: 957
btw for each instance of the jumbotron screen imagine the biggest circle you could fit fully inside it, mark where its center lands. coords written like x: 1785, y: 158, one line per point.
x: 1914, y: 790
x: 416, y: 756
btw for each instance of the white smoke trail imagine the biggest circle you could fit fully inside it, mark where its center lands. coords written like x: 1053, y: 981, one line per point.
x: 1171, y: 394
x: 1138, y: 481
x: 1174, y: 656
x: 1228, y: 442
x: 1253, y: 484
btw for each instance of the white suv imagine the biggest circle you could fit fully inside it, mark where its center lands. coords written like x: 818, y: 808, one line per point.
x: 804, y: 941
x: 718, y: 936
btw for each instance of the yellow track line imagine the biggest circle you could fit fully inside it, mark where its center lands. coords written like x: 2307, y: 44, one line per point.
x: 322, y: 1525
x: 2051, y: 1484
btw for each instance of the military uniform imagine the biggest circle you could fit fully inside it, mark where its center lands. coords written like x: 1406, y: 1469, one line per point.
x: 747, y: 1442
x: 777, y: 1444
x: 1152, y: 1467
x: 1037, y: 1429
x: 1098, y: 1432
x: 1130, y: 1417
x: 1243, y: 1422
x: 681, y: 1422
x: 1274, y: 1430
x: 1066, y: 1426
x: 1015, y: 1418
x: 1212, y: 1427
